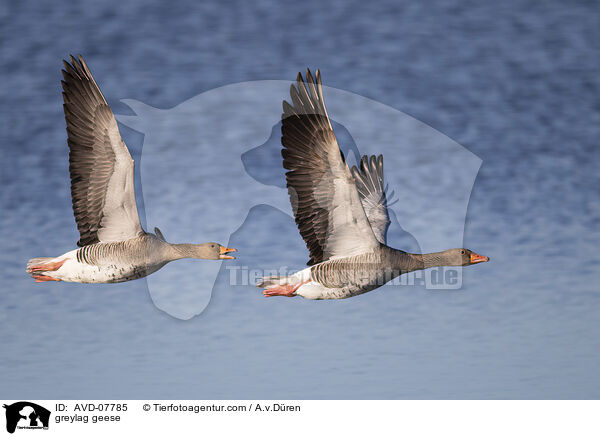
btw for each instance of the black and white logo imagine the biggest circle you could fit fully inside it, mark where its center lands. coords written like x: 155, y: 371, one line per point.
x: 26, y: 415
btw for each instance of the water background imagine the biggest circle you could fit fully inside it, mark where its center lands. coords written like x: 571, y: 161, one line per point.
x: 516, y: 83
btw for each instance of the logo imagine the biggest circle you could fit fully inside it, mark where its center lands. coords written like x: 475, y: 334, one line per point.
x: 26, y: 415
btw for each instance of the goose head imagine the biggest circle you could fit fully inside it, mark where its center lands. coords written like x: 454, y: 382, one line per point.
x: 462, y: 257
x: 211, y: 250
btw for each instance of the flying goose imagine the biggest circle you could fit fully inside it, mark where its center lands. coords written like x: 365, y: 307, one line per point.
x: 341, y: 212
x: 113, y: 246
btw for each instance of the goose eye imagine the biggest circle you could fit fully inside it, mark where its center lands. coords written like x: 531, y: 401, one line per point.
x: 462, y: 251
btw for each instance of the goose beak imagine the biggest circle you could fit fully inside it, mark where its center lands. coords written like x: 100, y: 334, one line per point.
x: 476, y: 258
x: 224, y: 251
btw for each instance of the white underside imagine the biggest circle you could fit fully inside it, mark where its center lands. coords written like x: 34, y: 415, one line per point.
x: 74, y: 271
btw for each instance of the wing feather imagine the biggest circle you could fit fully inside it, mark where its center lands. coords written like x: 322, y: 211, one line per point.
x: 369, y: 182
x: 101, y: 168
x: 323, y: 193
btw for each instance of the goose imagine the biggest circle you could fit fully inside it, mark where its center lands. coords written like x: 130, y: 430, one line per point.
x: 341, y: 212
x: 113, y: 246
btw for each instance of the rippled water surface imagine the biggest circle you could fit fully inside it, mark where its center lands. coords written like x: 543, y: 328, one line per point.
x: 517, y: 84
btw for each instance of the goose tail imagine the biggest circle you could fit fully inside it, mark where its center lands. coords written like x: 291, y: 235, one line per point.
x: 42, y: 268
x: 267, y: 282
x: 36, y: 262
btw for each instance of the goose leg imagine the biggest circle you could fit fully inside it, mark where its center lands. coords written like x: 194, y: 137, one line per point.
x: 40, y: 279
x: 50, y: 266
x: 283, y: 290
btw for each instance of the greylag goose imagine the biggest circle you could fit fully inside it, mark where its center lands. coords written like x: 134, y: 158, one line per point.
x: 113, y: 246
x: 341, y: 212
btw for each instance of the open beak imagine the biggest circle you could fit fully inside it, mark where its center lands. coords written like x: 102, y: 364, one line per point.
x: 224, y: 251
x: 476, y: 258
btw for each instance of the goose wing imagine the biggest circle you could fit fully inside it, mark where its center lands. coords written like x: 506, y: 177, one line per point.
x: 101, y: 168
x: 369, y: 182
x: 323, y: 193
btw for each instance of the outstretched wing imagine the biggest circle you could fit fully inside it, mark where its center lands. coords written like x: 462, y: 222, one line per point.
x: 100, y: 165
x: 323, y: 193
x: 369, y: 182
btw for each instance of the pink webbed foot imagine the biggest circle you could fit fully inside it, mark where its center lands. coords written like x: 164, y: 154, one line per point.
x: 51, y: 266
x: 40, y: 279
x: 283, y: 290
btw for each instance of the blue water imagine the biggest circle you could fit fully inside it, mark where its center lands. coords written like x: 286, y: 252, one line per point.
x: 515, y: 83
